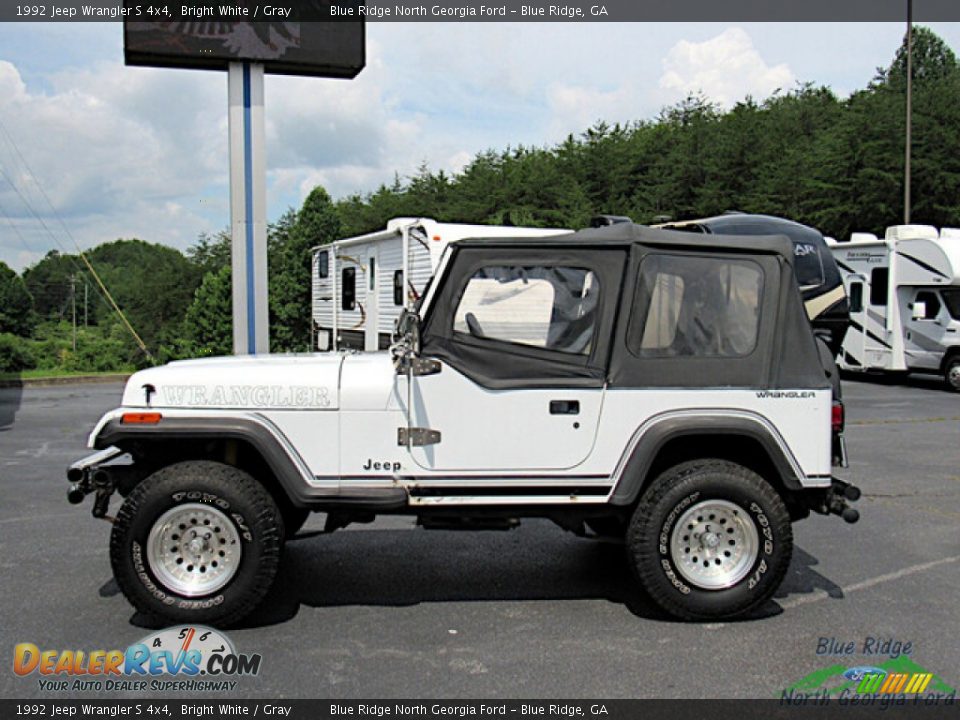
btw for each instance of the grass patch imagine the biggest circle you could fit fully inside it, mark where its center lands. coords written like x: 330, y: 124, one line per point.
x: 37, y: 374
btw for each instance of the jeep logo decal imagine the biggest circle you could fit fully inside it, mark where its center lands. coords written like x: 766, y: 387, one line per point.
x: 385, y: 465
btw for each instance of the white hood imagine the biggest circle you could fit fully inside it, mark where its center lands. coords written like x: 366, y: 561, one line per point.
x: 261, y: 382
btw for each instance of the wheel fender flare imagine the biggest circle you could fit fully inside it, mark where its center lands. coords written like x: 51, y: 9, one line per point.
x: 289, y: 468
x: 650, y: 438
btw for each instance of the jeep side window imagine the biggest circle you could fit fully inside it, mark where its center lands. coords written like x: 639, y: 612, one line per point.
x: 689, y: 306
x: 548, y: 307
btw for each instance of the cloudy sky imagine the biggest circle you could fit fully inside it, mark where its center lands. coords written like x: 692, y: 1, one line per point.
x: 142, y: 152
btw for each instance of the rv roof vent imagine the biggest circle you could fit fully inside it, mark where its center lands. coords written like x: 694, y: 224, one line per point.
x: 912, y: 232
x: 399, y: 222
x: 604, y: 220
x: 952, y: 233
x: 863, y: 237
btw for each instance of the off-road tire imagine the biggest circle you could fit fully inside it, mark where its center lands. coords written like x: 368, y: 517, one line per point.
x: 663, y: 504
x: 257, y: 523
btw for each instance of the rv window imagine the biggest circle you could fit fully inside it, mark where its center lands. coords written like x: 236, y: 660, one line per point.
x: 951, y: 298
x: 373, y: 274
x: 931, y: 304
x: 547, y: 307
x: 696, y: 307
x: 856, y: 297
x: 398, y: 287
x: 879, y: 280
x: 348, y: 283
x: 323, y: 263
x: 808, y: 264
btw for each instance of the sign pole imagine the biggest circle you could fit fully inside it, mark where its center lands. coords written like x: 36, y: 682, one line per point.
x: 248, y: 207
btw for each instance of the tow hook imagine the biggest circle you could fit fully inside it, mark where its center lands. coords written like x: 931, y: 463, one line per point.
x: 97, y: 481
x: 838, y: 495
x: 87, y: 477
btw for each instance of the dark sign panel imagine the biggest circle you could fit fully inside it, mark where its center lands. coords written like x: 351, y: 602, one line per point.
x: 286, y: 45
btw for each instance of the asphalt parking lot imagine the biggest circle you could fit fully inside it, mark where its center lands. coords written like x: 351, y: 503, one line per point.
x: 391, y: 611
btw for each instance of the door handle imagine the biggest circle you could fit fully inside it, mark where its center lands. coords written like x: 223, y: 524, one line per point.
x: 564, y: 407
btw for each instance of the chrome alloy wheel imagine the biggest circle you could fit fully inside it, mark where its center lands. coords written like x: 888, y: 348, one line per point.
x: 193, y: 549
x: 714, y: 544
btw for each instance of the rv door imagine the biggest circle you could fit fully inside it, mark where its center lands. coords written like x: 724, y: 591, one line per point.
x: 855, y: 342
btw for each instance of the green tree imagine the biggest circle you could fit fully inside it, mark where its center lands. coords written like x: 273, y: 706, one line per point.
x: 932, y: 60
x: 211, y: 252
x: 48, y: 282
x: 207, y: 327
x: 16, y: 304
x: 291, y: 241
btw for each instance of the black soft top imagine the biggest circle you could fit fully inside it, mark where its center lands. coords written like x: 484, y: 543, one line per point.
x: 785, y: 355
x: 626, y: 234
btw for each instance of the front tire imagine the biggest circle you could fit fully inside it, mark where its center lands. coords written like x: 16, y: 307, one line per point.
x: 710, y: 539
x: 197, y: 541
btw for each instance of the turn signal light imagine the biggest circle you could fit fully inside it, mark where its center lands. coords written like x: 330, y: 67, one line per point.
x: 140, y: 418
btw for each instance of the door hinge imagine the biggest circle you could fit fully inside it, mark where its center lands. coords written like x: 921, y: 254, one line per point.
x: 423, y: 366
x: 416, y: 366
x: 417, y: 437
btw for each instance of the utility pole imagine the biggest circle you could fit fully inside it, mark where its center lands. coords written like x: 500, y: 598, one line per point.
x: 85, y: 288
x: 73, y: 303
x: 906, y: 165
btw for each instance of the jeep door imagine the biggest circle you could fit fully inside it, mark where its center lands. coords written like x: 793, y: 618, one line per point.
x: 518, y: 340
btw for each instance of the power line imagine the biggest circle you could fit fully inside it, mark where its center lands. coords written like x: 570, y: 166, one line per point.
x: 80, y: 252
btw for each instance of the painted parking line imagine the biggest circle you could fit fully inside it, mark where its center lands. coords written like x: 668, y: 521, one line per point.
x: 866, y: 584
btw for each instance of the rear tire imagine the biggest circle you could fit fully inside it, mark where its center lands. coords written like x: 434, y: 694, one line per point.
x: 710, y: 539
x: 198, y: 542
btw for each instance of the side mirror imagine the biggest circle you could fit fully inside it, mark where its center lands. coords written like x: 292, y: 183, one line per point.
x: 406, y: 340
x: 408, y: 324
x: 919, y: 311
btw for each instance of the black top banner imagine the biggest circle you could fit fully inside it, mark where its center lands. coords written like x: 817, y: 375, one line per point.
x: 193, y: 11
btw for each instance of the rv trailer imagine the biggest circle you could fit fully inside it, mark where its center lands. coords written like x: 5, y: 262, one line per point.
x: 361, y: 283
x: 904, y: 295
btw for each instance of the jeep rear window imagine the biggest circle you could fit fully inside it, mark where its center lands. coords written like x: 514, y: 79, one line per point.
x: 689, y: 306
x: 548, y: 307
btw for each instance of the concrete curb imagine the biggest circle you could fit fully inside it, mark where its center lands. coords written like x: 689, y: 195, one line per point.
x: 65, y: 380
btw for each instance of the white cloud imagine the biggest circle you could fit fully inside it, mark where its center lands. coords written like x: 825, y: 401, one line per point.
x: 726, y: 68
x: 574, y: 108
x: 104, y: 149
x: 123, y: 152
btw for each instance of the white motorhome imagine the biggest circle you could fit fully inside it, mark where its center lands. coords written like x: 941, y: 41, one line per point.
x: 904, y: 295
x: 361, y: 283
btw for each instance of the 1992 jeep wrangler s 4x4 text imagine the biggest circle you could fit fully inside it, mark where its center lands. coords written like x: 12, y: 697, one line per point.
x: 660, y: 387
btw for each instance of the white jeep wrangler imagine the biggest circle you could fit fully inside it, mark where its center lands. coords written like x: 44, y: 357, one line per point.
x: 658, y: 387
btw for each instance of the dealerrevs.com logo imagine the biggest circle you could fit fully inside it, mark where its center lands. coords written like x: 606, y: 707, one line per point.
x: 180, y: 658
